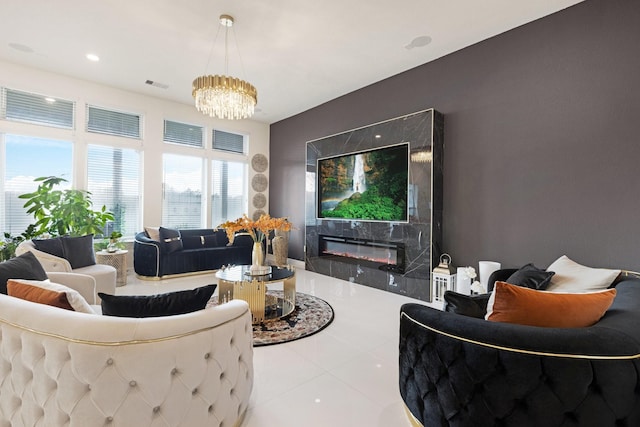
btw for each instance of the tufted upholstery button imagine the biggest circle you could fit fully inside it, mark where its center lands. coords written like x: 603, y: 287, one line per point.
x: 232, y: 391
x: 109, y: 420
x: 207, y: 355
x: 195, y: 391
x: 233, y: 340
x: 132, y: 383
x: 156, y: 409
x: 109, y: 361
x: 174, y: 371
x: 210, y: 408
x: 221, y: 376
x: 88, y: 387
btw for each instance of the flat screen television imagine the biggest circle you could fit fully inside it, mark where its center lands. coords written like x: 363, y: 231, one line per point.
x: 367, y: 185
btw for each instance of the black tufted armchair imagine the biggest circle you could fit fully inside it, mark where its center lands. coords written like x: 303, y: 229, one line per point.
x: 462, y: 371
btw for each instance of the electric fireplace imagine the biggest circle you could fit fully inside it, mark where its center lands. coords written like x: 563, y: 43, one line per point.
x: 387, y: 256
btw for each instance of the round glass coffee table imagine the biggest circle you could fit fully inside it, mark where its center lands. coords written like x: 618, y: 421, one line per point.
x: 237, y: 283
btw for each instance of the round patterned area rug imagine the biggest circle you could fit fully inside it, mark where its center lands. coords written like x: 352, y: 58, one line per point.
x: 310, y: 316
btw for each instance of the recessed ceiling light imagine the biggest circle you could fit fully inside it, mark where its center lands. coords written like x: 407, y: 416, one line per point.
x: 378, y: 136
x: 50, y: 100
x: 418, y: 42
x: 93, y: 57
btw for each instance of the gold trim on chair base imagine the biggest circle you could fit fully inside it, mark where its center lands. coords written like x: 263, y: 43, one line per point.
x: 174, y: 276
x: 412, y: 419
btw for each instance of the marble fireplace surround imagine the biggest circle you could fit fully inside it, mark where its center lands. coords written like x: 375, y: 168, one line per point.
x: 418, y: 240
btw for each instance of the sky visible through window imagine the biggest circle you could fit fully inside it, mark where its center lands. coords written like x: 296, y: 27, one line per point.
x: 28, y: 158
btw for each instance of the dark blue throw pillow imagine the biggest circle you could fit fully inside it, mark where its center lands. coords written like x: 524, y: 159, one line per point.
x: 198, y: 242
x: 50, y: 246
x: 532, y: 277
x: 170, y: 240
x: 168, y: 304
x: 466, y: 305
x: 79, y: 251
x: 25, y: 266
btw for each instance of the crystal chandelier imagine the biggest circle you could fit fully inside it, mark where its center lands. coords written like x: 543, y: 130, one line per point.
x: 224, y: 97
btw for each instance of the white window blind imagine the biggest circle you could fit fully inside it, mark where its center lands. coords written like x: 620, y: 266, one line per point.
x: 227, y: 141
x: 27, y: 158
x: 229, y: 199
x: 182, y: 183
x: 38, y: 109
x: 117, y: 123
x: 183, y: 133
x: 114, y: 182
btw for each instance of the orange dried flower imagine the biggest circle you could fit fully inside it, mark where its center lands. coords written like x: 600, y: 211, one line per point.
x: 257, y: 229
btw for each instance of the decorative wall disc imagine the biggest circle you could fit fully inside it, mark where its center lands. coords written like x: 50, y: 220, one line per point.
x: 259, y: 182
x: 259, y: 163
x: 257, y: 214
x: 259, y: 201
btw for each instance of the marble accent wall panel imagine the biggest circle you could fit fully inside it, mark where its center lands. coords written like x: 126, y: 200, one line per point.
x: 421, y: 232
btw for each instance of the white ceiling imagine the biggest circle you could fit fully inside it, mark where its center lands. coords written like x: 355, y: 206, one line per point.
x: 297, y: 53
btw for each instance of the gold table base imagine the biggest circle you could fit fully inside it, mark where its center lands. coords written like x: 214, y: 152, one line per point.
x: 253, y: 290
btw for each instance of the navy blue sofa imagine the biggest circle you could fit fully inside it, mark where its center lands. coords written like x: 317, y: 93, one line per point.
x: 462, y: 371
x: 202, y: 250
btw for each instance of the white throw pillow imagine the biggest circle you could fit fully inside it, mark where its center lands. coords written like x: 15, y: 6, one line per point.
x: 573, y: 277
x: 76, y: 300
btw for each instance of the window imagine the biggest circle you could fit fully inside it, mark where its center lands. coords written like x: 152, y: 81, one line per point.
x: 182, y: 191
x: 182, y: 133
x: 100, y: 120
x: 227, y: 141
x: 114, y: 182
x: 229, y: 198
x: 38, y: 109
x: 27, y: 158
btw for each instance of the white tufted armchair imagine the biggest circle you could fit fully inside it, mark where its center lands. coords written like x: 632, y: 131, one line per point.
x: 62, y: 368
x: 104, y: 275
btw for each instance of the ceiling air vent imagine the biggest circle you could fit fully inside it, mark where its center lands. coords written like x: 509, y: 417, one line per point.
x: 156, y: 84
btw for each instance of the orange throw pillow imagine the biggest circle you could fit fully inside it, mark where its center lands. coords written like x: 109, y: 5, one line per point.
x: 523, y: 306
x: 39, y: 295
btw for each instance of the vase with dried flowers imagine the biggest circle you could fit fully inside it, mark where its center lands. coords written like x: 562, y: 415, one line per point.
x: 258, y: 230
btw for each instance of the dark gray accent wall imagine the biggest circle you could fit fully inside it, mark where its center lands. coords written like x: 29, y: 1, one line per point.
x: 542, y: 140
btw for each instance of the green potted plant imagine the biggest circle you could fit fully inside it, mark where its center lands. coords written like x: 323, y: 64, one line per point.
x: 9, y: 243
x: 114, y: 239
x: 64, y: 212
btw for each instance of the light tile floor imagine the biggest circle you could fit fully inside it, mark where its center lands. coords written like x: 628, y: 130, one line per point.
x: 345, y: 375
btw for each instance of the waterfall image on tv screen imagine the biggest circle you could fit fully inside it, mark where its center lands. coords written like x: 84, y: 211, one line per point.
x: 369, y: 185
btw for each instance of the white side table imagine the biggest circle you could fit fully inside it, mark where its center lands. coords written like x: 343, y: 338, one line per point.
x: 118, y: 260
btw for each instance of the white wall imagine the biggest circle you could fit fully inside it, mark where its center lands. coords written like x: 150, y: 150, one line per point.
x: 154, y: 111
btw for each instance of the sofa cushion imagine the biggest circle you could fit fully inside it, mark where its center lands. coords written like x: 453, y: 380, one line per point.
x: 167, y: 304
x: 79, y: 250
x: 170, y: 240
x: 466, y: 305
x: 524, y: 306
x: 49, y: 293
x: 532, y: 277
x: 573, y: 277
x: 25, y: 266
x: 50, y: 246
